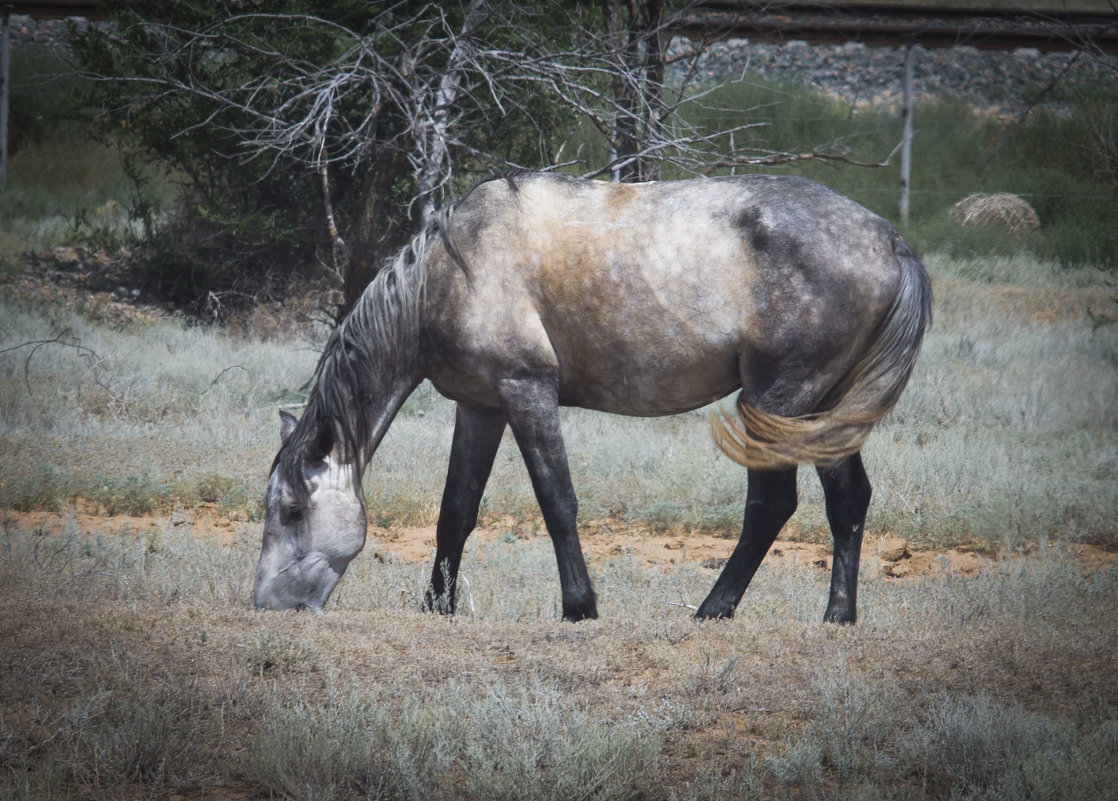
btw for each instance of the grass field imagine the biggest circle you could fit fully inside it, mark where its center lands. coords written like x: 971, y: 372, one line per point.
x: 1006, y: 434
x: 134, y: 452
x: 134, y: 458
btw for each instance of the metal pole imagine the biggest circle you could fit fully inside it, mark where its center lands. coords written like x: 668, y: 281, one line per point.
x: 5, y: 83
x: 906, y: 137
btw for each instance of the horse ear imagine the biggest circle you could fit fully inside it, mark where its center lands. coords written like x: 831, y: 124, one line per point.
x: 319, y: 448
x: 287, y: 426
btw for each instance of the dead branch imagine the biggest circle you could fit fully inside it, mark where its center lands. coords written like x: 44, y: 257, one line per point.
x: 65, y: 338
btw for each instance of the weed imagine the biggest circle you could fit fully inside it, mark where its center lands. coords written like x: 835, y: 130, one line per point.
x: 37, y: 487
x: 801, y: 766
x: 503, y: 744
x: 141, y: 670
x: 319, y: 754
x: 978, y: 749
x: 268, y: 650
x: 114, y: 739
x: 131, y: 495
x: 852, y: 717
x: 741, y: 784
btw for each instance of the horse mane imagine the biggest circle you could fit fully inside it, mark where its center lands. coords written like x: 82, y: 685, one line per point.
x: 378, y: 337
x: 380, y: 334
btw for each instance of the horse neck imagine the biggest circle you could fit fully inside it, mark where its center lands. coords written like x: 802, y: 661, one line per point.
x: 379, y: 414
x: 372, y: 363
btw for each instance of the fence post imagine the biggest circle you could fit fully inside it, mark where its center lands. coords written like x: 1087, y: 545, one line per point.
x: 5, y: 83
x: 906, y: 137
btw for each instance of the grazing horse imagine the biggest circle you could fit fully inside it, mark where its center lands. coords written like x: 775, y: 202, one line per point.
x: 539, y: 291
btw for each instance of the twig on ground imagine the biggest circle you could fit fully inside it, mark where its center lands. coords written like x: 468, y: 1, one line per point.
x: 226, y: 370
x: 65, y: 337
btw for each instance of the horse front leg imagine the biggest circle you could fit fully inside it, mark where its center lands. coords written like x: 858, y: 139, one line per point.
x: 532, y: 408
x: 769, y: 501
x: 477, y: 435
x: 846, y: 492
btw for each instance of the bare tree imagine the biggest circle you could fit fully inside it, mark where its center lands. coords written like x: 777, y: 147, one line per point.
x: 409, y: 99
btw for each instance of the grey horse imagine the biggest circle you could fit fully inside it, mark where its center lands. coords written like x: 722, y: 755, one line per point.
x: 538, y: 291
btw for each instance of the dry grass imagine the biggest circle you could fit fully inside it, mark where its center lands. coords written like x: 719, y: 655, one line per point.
x: 1007, y: 433
x: 134, y: 668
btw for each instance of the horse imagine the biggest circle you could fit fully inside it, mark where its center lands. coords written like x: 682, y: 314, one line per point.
x: 539, y: 290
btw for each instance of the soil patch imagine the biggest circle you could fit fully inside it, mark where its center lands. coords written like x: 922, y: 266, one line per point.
x: 887, y: 557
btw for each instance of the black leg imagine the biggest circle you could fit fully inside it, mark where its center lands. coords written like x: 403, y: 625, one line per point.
x: 532, y: 407
x: 477, y: 435
x: 847, y: 491
x: 769, y: 501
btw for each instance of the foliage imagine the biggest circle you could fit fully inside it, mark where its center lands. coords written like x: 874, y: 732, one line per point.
x: 333, y: 136
x: 250, y: 217
x: 47, y: 98
x: 62, y: 186
x: 499, y: 744
x: 265, y: 107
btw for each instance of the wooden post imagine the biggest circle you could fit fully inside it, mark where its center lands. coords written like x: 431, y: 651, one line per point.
x: 5, y: 91
x: 906, y: 137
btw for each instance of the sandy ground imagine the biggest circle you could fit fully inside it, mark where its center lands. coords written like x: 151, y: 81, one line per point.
x: 891, y: 557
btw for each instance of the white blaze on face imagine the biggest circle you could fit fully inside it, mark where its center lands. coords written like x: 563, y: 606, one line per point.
x: 306, y: 549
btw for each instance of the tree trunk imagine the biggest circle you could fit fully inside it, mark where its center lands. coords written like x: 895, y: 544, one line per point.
x: 635, y: 33
x: 377, y: 233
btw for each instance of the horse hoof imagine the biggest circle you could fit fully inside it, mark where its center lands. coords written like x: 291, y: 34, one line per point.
x: 843, y: 617
x: 440, y: 604
x: 712, y: 613
x: 575, y: 614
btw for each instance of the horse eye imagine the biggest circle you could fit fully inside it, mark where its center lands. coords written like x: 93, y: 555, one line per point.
x: 295, y: 514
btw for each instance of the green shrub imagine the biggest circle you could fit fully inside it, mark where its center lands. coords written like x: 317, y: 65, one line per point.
x: 1056, y: 163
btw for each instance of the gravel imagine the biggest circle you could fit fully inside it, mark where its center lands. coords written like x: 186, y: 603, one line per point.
x: 993, y: 80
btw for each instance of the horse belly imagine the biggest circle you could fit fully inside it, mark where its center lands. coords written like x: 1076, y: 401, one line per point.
x: 647, y: 369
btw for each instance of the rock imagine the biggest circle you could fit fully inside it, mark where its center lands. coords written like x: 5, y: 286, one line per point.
x: 66, y: 258
x: 898, y: 569
x: 893, y: 549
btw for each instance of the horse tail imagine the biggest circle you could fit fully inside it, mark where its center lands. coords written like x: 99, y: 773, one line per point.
x: 873, y: 385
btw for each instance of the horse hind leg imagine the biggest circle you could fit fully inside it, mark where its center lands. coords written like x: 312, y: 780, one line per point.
x: 846, y: 491
x: 769, y: 501
x: 477, y: 436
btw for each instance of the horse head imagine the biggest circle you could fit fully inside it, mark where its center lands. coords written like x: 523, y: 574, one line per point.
x: 314, y: 520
